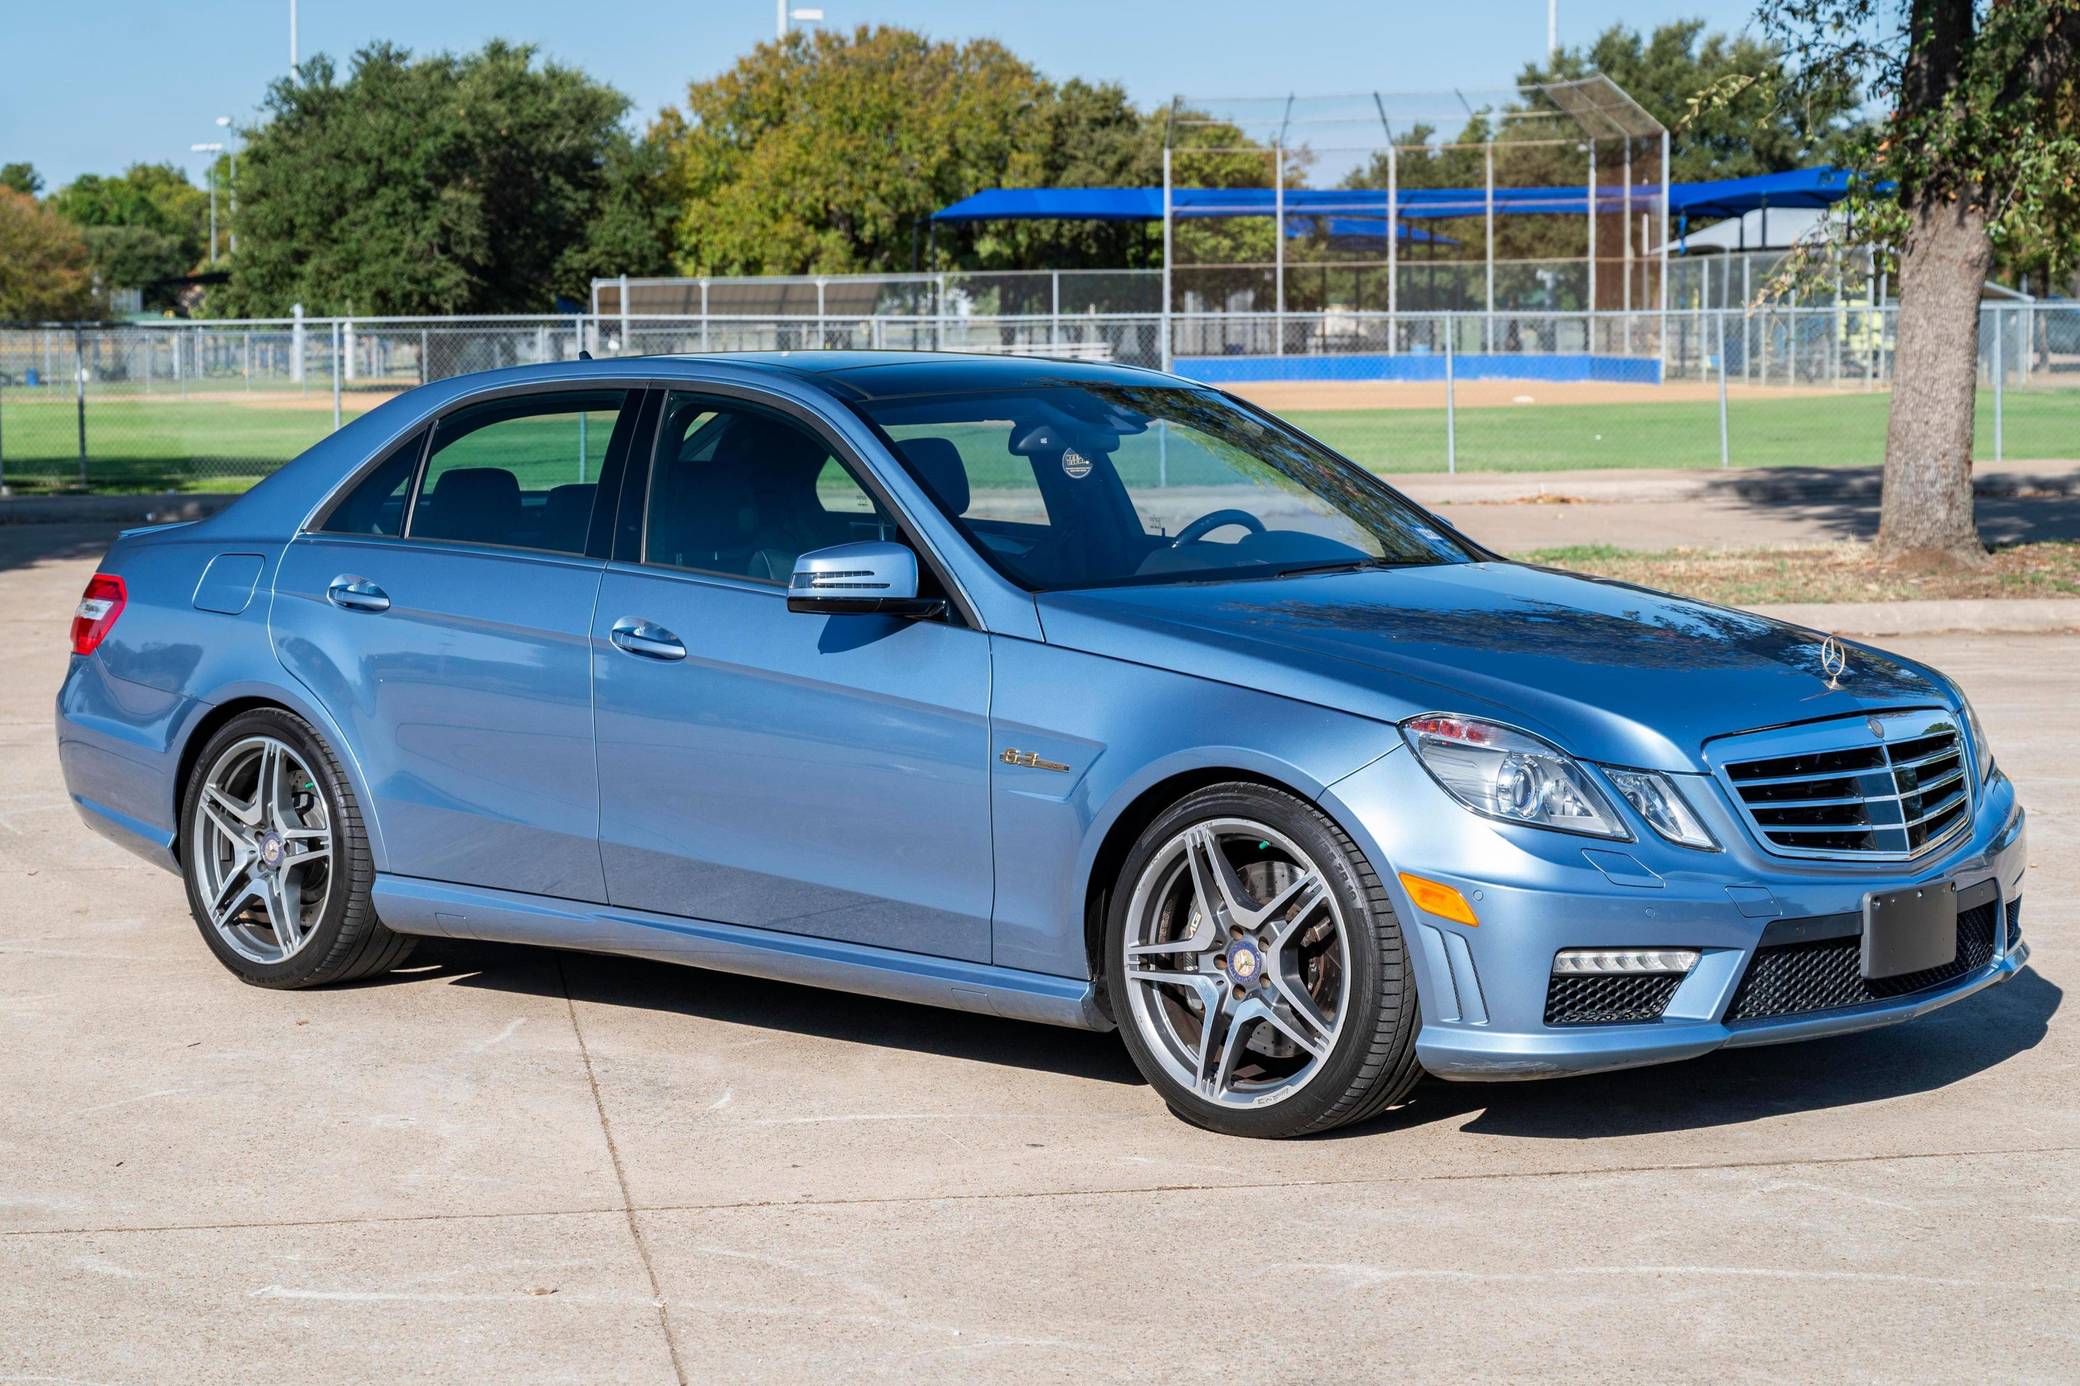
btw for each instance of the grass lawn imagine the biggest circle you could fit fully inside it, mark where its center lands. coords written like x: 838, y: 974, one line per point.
x: 1837, y: 573
x: 1846, y: 429
x: 218, y: 445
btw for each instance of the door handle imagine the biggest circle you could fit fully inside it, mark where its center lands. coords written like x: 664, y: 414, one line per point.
x: 357, y: 594
x: 646, y: 638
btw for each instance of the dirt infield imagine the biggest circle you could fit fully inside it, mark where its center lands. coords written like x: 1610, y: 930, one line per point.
x: 1291, y: 396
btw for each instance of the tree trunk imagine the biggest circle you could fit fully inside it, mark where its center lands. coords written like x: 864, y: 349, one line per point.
x: 1927, y: 505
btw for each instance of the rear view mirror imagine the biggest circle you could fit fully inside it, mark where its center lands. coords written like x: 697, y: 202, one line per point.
x: 871, y: 578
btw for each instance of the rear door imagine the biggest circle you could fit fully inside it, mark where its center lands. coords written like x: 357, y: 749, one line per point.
x: 821, y: 775
x: 441, y: 612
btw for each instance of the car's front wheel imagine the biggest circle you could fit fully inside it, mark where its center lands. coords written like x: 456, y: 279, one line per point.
x: 1256, y: 968
x: 277, y: 866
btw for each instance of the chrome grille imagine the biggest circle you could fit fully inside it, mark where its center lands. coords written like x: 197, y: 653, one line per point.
x: 1891, y: 786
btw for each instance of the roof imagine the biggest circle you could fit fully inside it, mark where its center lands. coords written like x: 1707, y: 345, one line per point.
x: 1813, y: 187
x: 890, y: 374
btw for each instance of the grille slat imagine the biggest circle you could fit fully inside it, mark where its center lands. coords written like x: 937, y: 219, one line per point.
x: 1868, y: 797
x: 1827, y: 974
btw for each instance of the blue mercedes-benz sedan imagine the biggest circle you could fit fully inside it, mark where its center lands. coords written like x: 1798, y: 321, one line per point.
x: 1057, y: 691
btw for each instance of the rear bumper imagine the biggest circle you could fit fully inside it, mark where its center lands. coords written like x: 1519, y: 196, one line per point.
x: 1483, y: 989
x: 118, y: 751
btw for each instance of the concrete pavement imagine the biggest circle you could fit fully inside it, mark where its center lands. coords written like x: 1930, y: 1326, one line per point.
x: 519, y: 1165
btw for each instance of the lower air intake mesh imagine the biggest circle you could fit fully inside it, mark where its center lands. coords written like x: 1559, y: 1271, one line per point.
x: 1827, y: 974
x: 1614, y: 999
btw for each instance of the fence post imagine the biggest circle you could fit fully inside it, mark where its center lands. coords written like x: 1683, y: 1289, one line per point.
x: 1163, y: 353
x: 1054, y: 325
x: 704, y: 313
x: 4, y: 492
x: 1999, y: 382
x: 1278, y: 242
x: 1451, y: 420
x: 79, y: 387
x: 335, y: 375
x: 296, y: 345
x: 1725, y: 451
x: 622, y: 350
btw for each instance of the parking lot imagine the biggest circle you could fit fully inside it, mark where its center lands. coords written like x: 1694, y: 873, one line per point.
x: 504, y: 1164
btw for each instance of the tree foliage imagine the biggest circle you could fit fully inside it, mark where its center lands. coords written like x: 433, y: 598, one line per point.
x: 43, y: 263
x: 827, y: 152
x: 483, y: 183
x: 1983, y: 109
x: 22, y: 178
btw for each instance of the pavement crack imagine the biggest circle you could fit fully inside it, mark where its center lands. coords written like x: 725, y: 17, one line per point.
x: 631, y: 1210
x: 628, y: 1210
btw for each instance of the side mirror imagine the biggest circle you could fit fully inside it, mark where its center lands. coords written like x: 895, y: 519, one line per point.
x: 866, y: 579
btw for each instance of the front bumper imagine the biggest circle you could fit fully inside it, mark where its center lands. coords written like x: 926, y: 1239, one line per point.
x: 1483, y: 989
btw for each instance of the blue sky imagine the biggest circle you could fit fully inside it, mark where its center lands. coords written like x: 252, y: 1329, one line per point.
x: 96, y: 87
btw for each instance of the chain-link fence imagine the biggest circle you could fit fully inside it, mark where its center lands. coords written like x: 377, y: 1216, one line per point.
x: 216, y: 405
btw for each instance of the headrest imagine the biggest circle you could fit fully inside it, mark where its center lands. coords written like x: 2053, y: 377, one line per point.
x: 494, y: 489
x: 937, y: 465
x: 760, y: 444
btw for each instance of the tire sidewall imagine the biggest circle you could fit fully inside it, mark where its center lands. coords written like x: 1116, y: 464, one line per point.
x: 298, y: 735
x: 1366, y: 942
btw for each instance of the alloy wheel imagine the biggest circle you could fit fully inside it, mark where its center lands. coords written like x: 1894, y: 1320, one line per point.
x: 1238, y: 963
x: 261, y: 845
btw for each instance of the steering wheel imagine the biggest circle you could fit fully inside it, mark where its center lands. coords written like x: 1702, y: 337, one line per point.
x: 1213, y: 520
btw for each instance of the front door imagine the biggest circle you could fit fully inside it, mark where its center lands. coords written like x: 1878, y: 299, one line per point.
x: 441, y: 615
x: 822, y: 775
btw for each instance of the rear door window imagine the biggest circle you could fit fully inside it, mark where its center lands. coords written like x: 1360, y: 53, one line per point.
x: 519, y: 473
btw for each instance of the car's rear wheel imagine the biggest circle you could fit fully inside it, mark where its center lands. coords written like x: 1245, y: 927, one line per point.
x: 1256, y: 968
x: 277, y: 866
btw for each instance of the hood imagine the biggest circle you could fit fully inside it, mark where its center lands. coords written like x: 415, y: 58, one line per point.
x: 1605, y: 670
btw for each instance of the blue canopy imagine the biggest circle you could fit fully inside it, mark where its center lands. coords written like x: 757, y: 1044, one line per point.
x: 1726, y: 197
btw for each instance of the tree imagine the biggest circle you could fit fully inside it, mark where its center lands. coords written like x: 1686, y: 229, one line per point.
x: 157, y: 197
x: 1077, y: 136
x: 43, y: 263
x: 22, y: 178
x: 827, y: 152
x: 1982, y: 139
x: 443, y: 184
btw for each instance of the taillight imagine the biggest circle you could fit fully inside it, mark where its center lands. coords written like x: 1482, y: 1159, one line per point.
x: 95, y: 616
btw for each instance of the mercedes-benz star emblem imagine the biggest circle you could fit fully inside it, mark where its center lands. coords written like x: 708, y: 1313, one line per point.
x: 1834, y: 661
x: 1877, y: 727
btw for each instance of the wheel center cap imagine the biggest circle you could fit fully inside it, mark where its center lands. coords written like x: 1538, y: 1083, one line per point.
x: 1245, y: 963
x: 271, y: 850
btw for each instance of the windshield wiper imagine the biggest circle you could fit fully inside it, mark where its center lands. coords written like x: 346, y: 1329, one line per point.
x: 1347, y: 565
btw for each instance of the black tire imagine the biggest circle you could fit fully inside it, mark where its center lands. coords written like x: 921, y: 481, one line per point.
x: 1372, y: 1062
x: 346, y: 943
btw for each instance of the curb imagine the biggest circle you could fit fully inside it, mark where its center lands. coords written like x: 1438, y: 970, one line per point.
x: 1973, y: 615
x: 112, y: 510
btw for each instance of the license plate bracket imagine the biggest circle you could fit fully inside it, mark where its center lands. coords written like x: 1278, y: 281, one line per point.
x: 1910, y: 930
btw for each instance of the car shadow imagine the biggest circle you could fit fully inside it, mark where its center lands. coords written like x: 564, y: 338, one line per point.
x: 1720, y: 1089
x: 1733, y: 1086
x: 719, y: 996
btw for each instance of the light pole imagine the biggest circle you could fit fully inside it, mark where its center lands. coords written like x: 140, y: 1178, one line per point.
x: 292, y: 40
x: 782, y: 14
x: 213, y: 148
x: 1552, y: 29
x: 224, y: 124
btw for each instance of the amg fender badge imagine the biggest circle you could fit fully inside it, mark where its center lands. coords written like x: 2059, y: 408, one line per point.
x: 1031, y: 761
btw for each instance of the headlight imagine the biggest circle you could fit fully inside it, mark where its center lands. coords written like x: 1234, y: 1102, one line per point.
x: 1654, y: 797
x: 1510, y: 775
x: 1982, y: 750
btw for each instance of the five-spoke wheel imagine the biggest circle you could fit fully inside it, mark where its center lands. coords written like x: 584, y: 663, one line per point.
x: 279, y: 873
x: 1256, y: 968
x: 262, y: 845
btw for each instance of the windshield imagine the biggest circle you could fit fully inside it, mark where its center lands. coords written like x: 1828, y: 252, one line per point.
x: 1101, y: 485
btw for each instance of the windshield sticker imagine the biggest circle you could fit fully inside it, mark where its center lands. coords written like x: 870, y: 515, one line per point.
x: 1075, y: 463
